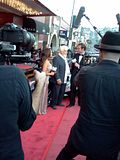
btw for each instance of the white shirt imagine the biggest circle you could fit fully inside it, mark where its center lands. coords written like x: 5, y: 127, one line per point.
x: 80, y: 57
x: 67, y: 68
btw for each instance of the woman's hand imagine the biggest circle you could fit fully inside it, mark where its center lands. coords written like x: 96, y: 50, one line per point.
x: 59, y: 82
x: 52, y: 73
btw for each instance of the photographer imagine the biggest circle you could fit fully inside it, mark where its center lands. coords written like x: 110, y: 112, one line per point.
x: 18, y: 105
x: 16, y: 111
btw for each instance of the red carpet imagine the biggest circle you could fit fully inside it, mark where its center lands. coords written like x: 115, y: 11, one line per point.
x: 62, y: 133
x: 49, y: 134
x: 37, y: 140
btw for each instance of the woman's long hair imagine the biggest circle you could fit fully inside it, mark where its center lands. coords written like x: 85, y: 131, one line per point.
x: 45, y: 54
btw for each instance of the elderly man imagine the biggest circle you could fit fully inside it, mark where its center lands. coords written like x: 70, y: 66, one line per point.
x: 58, y: 82
x: 96, y: 132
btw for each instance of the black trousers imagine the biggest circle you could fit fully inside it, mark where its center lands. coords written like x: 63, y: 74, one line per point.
x: 65, y: 155
x: 88, y: 158
x: 57, y: 93
x: 74, y: 91
x: 69, y: 152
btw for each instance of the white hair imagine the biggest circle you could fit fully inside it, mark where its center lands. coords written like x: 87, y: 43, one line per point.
x: 63, y: 48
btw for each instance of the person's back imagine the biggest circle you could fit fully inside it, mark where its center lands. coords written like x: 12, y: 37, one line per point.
x: 99, y: 118
x: 96, y: 132
x: 95, y: 84
x: 16, y: 111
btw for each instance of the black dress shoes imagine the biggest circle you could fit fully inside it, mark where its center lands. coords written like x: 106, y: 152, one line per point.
x: 62, y: 105
x: 54, y: 107
x: 70, y: 105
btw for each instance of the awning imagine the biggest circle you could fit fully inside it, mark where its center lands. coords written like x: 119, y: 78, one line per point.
x: 32, y: 25
x: 25, y: 8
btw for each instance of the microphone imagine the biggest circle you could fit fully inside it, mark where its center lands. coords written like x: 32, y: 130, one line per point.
x: 118, y: 18
x: 79, y: 16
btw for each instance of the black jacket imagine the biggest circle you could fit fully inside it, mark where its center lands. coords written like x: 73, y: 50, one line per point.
x: 74, y: 69
x: 58, y: 62
x: 96, y: 132
x: 16, y: 112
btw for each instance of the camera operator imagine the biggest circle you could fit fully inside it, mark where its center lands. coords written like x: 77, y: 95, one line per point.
x: 18, y: 105
x: 18, y: 109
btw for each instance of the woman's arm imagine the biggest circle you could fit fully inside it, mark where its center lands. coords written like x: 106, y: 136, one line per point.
x: 45, y: 69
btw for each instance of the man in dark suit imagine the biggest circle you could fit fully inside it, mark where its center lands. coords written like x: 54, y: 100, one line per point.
x: 77, y: 62
x: 96, y: 133
x: 16, y: 110
x: 58, y: 82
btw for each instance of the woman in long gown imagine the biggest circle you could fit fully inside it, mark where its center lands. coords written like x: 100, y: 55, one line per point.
x: 46, y: 67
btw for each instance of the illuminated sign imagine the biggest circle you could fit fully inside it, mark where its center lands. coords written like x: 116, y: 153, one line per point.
x: 63, y: 33
x: 20, y: 6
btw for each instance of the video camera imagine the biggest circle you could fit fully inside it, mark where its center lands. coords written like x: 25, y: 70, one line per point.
x: 15, y: 43
x: 16, y: 47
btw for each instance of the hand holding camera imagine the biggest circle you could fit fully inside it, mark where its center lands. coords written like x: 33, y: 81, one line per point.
x: 74, y: 60
x: 77, y: 65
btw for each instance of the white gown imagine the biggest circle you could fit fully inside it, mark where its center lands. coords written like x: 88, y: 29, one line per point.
x: 44, y: 95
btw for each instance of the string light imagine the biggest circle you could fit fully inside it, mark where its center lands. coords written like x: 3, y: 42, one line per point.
x: 20, y: 6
